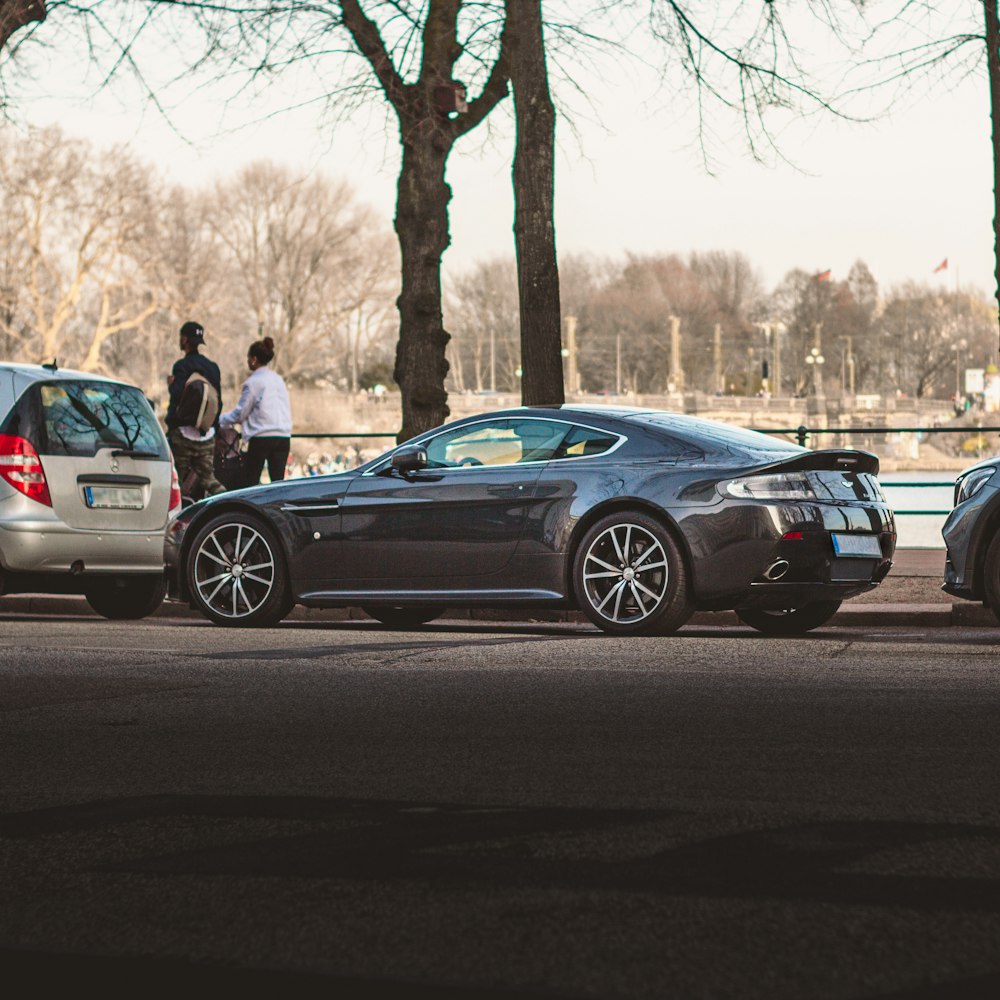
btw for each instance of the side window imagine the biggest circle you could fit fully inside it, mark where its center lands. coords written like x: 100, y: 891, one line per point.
x: 488, y: 443
x: 502, y: 442
x: 540, y: 439
x: 583, y: 441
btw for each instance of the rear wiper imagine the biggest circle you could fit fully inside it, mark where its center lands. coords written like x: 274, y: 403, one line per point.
x: 133, y: 453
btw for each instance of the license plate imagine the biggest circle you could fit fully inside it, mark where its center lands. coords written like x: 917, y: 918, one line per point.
x: 863, y: 546
x: 114, y: 497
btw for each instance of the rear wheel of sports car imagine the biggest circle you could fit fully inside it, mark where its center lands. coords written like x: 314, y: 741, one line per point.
x: 402, y: 617
x: 236, y: 572
x: 789, y: 621
x: 629, y: 576
x: 126, y: 597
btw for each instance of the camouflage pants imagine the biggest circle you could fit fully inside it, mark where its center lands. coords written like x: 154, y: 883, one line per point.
x: 197, y: 457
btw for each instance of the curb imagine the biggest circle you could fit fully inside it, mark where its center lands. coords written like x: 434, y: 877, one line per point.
x: 940, y: 615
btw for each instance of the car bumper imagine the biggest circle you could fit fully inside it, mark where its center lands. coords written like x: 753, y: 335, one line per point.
x: 780, y: 555
x: 53, y: 547
x: 965, y: 543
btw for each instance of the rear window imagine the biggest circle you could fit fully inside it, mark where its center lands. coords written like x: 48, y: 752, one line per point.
x: 717, y: 437
x: 80, y: 418
x: 584, y: 441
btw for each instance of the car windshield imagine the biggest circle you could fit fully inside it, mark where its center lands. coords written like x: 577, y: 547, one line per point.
x: 80, y: 418
x: 717, y: 437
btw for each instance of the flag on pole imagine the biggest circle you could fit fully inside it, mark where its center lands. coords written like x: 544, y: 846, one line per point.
x: 823, y: 276
x: 943, y: 266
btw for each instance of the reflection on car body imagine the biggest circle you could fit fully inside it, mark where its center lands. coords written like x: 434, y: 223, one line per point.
x: 637, y: 517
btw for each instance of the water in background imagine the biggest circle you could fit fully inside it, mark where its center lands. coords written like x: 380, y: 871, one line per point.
x: 919, y: 531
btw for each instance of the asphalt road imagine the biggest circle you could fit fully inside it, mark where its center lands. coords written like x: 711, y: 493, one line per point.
x: 499, y: 811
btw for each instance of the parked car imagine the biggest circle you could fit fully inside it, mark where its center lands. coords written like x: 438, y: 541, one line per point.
x: 972, y: 536
x: 638, y: 517
x: 86, y: 487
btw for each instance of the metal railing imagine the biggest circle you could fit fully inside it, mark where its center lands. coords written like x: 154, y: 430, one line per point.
x: 802, y: 433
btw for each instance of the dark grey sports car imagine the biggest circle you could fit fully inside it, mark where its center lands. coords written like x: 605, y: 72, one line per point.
x: 637, y: 517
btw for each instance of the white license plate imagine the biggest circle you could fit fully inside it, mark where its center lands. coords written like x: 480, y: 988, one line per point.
x: 863, y: 546
x: 114, y: 497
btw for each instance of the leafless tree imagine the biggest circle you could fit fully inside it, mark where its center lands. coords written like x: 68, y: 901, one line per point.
x: 74, y: 219
x: 534, y: 205
x: 15, y: 14
x: 482, y: 309
x: 294, y: 242
x: 919, y: 43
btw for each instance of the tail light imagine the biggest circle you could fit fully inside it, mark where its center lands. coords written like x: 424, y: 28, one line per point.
x: 22, y: 468
x: 175, y: 489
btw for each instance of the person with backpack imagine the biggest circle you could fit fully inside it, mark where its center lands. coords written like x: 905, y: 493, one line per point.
x: 195, y: 387
x: 265, y: 414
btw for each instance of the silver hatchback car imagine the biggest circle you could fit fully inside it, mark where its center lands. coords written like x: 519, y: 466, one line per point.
x: 87, y: 486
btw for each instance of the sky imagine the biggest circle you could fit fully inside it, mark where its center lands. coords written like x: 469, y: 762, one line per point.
x: 903, y: 193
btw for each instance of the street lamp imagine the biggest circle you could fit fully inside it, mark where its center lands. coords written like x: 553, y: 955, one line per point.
x: 816, y: 359
x: 960, y: 346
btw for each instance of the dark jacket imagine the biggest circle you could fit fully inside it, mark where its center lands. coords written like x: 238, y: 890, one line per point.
x: 182, y: 369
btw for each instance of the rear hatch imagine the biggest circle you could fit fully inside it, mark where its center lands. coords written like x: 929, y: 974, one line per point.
x: 104, y: 456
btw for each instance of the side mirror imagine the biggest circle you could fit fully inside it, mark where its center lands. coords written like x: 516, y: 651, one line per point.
x: 409, y: 458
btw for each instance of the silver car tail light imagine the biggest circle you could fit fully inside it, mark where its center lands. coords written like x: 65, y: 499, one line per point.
x: 21, y: 467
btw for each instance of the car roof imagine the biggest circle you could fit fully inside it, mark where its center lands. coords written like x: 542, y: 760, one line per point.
x: 567, y: 411
x: 44, y: 373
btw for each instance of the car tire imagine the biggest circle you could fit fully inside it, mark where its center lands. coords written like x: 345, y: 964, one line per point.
x: 789, y: 621
x: 614, y: 586
x: 126, y: 597
x: 402, y: 617
x: 236, y: 573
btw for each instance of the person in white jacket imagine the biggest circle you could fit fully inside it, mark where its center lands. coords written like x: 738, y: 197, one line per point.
x: 264, y: 414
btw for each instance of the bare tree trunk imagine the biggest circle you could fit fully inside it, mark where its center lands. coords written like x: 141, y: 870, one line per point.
x: 15, y: 14
x: 993, y: 69
x: 427, y: 133
x: 422, y: 227
x: 534, y: 226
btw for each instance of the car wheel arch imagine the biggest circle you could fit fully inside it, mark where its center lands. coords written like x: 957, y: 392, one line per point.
x: 623, y: 504
x: 989, y: 529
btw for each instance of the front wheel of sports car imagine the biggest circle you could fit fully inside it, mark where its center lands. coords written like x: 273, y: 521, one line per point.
x: 629, y: 576
x: 236, y: 572
x: 402, y: 617
x: 789, y: 621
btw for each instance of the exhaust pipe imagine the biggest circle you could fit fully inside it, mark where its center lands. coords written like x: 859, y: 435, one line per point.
x: 776, y: 570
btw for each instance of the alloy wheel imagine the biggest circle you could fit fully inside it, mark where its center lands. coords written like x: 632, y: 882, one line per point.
x: 625, y: 573
x: 234, y: 570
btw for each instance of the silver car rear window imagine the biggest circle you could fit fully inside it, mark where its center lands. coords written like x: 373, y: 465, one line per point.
x: 79, y: 418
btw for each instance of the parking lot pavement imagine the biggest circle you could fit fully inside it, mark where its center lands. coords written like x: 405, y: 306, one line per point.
x: 501, y: 809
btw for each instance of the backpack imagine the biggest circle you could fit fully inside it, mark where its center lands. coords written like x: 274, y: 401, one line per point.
x: 199, y: 404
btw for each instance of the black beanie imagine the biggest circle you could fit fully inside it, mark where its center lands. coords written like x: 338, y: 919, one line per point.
x: 194, y: 332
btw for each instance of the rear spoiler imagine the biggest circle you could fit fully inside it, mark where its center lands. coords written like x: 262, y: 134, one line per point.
x: 829, y: 459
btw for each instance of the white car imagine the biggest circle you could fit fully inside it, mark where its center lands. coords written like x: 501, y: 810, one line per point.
x: 87, y: 486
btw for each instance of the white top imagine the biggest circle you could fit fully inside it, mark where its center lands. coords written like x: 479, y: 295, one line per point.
x: 193, y: 434
x: 264, y: 409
